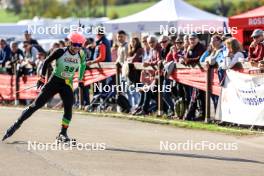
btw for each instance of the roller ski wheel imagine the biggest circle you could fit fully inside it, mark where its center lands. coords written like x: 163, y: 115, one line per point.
x: 65, y: 139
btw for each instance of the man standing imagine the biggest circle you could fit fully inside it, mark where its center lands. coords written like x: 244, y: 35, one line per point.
x: 122, y: 51
x: 256, y: 48
x: 192, y: 56
x: 102, y: 52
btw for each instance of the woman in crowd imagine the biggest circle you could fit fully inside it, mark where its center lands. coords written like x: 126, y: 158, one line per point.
x: 135, y: 54
x: 214, y: 55
x: 147, y: 53
x: 234, y: 54
x: 114, y: 52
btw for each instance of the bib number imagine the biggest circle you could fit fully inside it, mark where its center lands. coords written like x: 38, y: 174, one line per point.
x: 68, y: 69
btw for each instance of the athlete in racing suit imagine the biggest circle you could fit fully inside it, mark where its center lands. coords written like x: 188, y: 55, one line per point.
x: 68, y: 61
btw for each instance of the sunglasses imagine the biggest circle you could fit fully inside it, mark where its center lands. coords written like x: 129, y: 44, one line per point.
x: 77, y: 45
x: 165, y: 41
x: 256, y: 37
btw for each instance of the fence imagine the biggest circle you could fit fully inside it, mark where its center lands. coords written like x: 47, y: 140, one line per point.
x: 193, y: 75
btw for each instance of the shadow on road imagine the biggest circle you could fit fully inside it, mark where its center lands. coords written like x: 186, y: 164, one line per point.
x: 190, y: 155
x: 186, y: 155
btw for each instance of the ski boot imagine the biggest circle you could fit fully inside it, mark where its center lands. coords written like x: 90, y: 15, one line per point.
x: 63, y: 138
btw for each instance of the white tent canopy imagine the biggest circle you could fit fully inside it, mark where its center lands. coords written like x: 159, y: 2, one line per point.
x: 47, y: 28
x: 174, y: 14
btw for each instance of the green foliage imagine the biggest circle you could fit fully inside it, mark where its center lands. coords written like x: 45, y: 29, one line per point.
x: 113, y: 15
x: 95, y: 8
x: 8, y: 17
x: 43, y: 8
x: 16, y: 6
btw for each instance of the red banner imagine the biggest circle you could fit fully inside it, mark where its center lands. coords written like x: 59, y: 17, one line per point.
x: 189, y: 76
x: 7, y: 86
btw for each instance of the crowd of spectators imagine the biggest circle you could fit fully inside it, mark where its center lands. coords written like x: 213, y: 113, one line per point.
x: 223, y: 52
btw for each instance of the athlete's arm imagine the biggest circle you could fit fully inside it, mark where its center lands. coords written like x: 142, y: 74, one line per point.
x: 53, y: 56
x: 82, y: 65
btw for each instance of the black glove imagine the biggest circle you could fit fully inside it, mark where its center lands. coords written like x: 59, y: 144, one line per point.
x: 81, y: 85
x: 41, y: 82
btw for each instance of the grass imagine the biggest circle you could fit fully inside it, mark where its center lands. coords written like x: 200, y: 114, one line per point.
x: 8, y: 17
x: 179, y: 123
x: 163, y: 121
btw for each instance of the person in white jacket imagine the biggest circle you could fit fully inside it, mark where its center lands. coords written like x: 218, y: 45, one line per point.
x: 234, y: 55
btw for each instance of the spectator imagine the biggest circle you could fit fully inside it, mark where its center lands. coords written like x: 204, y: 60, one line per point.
x: 224, y: 38
x: 234, y: 54
x: 148, y: 77
x: 215, y: 53
x: 256, y: 48
x: 197, y: 99
x: 16, y: 57
x: 173, y: 39
x: 114, y: 51
x: 176, y: 51
x: 39, y: 62
x: 165, y: 45
x: 135, y: 51
x: 16, y: 53
x: 67, y: 42
x: 62, y: 44
x: 122, y: 52
x: 186, y: 43
x: 91, y: 48
x: 5, y: 52
x: 102, y: 51
x: 147, y: 53
x: 194, y: 50
x: 30, y: 53
x: 215, y: 56
x: 29, y: 39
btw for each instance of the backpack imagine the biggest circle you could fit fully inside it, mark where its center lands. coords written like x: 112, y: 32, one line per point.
x: 123, y: 102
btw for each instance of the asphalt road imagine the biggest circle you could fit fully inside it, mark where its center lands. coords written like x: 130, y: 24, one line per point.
x: 113, y: 147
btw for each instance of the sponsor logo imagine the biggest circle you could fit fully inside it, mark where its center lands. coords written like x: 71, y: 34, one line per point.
x: 72, y: 60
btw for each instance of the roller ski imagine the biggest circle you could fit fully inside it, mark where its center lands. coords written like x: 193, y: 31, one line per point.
x: 11, y: 130
x: 64, y: 139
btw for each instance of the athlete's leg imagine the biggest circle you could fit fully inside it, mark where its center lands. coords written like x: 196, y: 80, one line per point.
x: 48, y: 91
x: 66, y: 94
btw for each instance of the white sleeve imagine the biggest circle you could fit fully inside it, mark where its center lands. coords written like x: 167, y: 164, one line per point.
x: 235, y: 59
